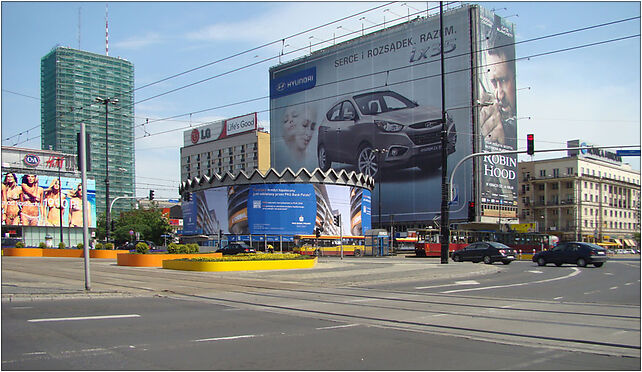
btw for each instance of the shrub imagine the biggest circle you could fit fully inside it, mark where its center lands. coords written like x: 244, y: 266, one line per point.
x: 20, y: 245
x: 61, y: 245
x: 42, y: 245
x: 109, y: 245
x: 142, y: 248
x: 100, y: 246
x: 172, y: 248
x: 192, y: 248
x: 80, y: 246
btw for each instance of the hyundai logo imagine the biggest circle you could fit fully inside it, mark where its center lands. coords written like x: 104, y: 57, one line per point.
x: 31, y: 160
x: 280, y: 87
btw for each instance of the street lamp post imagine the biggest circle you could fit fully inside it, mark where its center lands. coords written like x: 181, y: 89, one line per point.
x: 106, y: 102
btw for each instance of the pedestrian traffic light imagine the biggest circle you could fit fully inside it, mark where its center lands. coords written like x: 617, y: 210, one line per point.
x: 471, y: 211
x: 530, y: 145
x: 151, y: 194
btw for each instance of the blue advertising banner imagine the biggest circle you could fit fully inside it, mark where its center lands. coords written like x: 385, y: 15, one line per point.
x: 366, y: 211
x: 293, y: 83
x: 282, y: 209
x: 190, y: 226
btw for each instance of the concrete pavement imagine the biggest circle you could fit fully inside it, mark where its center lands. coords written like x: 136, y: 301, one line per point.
x: 30, y: 278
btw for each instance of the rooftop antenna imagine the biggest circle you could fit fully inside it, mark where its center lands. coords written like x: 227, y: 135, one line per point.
x: 79, y: 19
x: 106, y: 29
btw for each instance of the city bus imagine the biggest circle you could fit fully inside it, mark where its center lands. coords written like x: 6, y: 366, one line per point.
x: 428, y: 243
x: 329, y: 245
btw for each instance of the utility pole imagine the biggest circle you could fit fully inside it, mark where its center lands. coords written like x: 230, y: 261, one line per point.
x: 85, y: 204
x: 445, y: 189
x: 106, y: 102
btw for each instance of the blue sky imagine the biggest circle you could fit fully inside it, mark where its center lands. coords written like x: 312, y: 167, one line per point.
x: 591, y: 93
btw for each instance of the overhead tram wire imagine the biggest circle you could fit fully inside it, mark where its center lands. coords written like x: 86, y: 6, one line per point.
x: 400, y: 82
x: 523, y: 41
x: 123, y: 104
x: 393, y: 69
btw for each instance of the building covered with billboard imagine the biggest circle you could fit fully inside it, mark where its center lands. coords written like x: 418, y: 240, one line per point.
x: 222, y: 146
x: 277, y: 206
x: 42, y: 196
x: 373, y: 105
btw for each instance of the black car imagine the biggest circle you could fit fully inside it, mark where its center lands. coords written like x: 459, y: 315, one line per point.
x: 578, y: 253
x: 236, y: 248
x: 488, y: 252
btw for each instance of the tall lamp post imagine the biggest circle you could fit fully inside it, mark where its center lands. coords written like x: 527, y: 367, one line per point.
x: 106, y: 102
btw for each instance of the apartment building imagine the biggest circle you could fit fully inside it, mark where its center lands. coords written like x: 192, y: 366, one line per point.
x: 224, y: 146
x: 588, y: 195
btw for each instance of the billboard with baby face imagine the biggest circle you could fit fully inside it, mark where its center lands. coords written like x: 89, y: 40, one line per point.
x: 373, y: 105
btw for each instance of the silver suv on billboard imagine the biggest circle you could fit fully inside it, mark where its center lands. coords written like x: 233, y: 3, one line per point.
x: 382, y: 129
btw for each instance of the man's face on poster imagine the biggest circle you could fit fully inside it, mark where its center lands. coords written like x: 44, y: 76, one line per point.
x: 502, y: 78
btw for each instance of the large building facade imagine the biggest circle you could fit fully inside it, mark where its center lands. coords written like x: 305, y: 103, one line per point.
x: 222, y: 146
x: 589, y: 196
x: 71, y: 80
x: 31, y: 208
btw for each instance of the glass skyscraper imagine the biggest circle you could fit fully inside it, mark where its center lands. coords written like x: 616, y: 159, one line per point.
x: 71, y: 80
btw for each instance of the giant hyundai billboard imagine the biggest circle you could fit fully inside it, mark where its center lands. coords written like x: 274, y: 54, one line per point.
x: 373, y: 105
x: 278, y: 209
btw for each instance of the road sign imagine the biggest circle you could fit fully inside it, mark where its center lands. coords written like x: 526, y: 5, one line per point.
x: 627, y: 152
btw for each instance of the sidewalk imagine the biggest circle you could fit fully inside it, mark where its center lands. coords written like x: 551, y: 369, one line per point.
x: 31, y: 278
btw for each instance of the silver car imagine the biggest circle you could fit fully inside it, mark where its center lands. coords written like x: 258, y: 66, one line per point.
x: 381, y: 130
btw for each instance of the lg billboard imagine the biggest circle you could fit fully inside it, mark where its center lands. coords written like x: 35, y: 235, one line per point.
x: 373, y: 105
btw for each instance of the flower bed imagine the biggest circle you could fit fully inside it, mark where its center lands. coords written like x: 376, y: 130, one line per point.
x: 243, y: 262
x: 156, y: 259
x: 55, y: 252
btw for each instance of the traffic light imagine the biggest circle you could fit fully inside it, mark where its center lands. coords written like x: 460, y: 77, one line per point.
x: 471, y: 211
x: 317, y: 232
x: 337, y: 220
x: 187, y: 196
x: 151, y: 194
x: 530, y: 145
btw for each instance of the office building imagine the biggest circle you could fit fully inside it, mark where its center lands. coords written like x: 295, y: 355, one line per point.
x: 71, y: 80
x: 224, y: 146
x: 590, y: 195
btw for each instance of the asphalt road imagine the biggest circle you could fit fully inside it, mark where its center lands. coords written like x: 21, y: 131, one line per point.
x: 360, y: 314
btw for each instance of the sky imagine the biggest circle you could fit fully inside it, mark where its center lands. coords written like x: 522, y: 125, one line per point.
x: 566, y: 89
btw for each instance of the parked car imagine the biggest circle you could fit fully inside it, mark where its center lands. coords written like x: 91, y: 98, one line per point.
x: 132, y: 245
x: 488, y: 252
x: 579, y: 253
x: 10, y: 242
x: 236, y: 248
x: 406, y: 134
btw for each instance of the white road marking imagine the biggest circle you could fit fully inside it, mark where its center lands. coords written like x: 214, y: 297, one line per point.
x: 534, y: 271
x: 363, y: 300
x: 22, y: 307
x: 558, y: 298
x: 225, y: 338
x: 85, y: 318
x: 338, y: 326
x: 630, y: 283
x: 36, y: 353
x: 575, y: 272
x: 436, y: 315
x: 613, y: 287
x: 506, y: 306
x: 461, y: 282
x: 608, y: 274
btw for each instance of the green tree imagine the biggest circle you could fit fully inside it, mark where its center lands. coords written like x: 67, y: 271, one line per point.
x: 150, y: 223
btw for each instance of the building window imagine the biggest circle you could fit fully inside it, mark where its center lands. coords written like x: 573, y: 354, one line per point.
x: 556, y: 172
x: 569, y: 171
x: 540, y: 187
x: 569, y: 185
x: 542, y: 173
